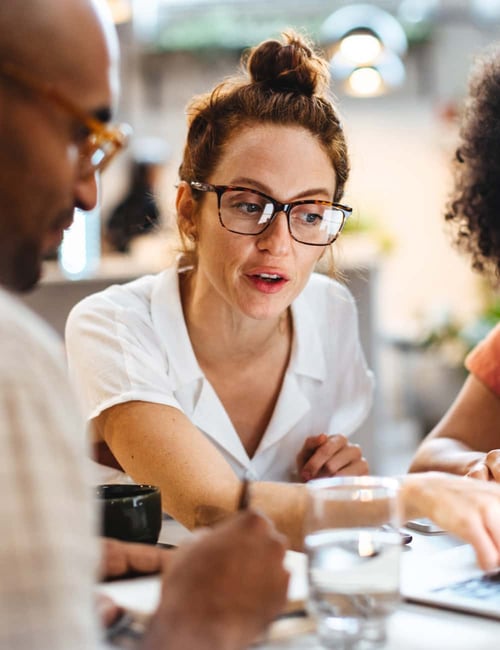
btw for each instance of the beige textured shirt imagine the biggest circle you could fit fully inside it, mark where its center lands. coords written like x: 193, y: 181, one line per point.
x: 48, y: 551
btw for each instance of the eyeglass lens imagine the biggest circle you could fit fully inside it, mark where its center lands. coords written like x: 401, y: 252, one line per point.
x: 248, y: 213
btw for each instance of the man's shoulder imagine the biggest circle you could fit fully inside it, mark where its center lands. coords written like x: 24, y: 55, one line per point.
x: 32, y: 362
x: 28, y: 346
x: 18, y: 323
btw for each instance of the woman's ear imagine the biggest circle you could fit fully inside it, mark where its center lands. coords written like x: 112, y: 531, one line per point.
x: 186, y: 209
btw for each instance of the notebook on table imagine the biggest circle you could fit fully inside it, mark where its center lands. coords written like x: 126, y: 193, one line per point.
x: 451, y: 579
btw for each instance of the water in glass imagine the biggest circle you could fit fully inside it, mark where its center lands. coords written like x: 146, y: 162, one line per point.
x: 353, y: 584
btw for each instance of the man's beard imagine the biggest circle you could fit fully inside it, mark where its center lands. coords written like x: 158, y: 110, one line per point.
x: 21, y: 268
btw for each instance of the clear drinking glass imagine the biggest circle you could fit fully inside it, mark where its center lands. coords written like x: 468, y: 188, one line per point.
x: 353, y: 549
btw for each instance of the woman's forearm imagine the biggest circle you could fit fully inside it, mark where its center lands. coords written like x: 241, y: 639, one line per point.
x: 445, y: 455
x: 285, y: 505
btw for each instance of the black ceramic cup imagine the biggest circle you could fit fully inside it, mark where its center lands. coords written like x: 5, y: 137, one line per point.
x: 129, y: 512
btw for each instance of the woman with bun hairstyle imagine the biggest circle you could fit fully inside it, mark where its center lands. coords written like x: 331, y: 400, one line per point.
x: 241, y: 362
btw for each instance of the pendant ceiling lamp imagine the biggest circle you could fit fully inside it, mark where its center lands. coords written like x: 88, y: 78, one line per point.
x: 367, y: 45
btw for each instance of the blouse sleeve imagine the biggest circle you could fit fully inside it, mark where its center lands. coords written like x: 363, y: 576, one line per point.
x: 114, y: 354
x: 484, y: 361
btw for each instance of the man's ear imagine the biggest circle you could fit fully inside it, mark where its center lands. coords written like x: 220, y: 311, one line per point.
x: 186, y: 208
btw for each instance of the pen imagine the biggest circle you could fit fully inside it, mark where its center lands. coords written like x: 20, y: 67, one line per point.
x: 244, y: 501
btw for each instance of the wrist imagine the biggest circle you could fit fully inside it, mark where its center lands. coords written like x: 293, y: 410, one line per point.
x: 413, y: 494
x: 180, y: 628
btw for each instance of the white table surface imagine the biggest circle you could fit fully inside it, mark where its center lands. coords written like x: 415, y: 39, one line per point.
x: 411, y: 627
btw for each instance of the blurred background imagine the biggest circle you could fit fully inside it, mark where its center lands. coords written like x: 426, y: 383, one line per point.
x: 399, y: 71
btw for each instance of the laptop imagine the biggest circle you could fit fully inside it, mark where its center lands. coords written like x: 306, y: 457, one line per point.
x: 451, y: 579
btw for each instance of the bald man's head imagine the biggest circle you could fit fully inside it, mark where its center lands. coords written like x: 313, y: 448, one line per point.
x: 70, y: 47
x: 57, y: 39
x: 32, y: 28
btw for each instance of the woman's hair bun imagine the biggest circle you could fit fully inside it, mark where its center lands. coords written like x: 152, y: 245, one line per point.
x: 288, y: 66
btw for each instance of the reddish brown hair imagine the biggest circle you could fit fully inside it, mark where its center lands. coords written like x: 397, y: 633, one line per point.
x: 284, y: 83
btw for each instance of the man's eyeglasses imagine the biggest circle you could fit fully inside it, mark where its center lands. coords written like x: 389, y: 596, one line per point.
x: 102, y: 142
x: 249, y: 212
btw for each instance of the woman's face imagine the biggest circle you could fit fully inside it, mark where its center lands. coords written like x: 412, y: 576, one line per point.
x: 259, y: 276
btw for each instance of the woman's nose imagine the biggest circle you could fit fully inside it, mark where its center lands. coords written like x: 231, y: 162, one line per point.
x: 276, y: 237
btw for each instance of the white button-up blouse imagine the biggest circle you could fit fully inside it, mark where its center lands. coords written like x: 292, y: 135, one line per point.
x: 130, y: 342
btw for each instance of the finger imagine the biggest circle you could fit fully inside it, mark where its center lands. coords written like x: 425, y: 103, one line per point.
x: 474, y: 532
x: 310, y: 445
x: 339, y: 440
x: 356, y: 468
x: 343, y: 459
x: 480, y: 472
x: 492, y: 523
x: 145, y: 558
x: 322, y: 455
x: 107, y: 610
x: 113, y: 558
x: 493, y: 464
x: 474, y: 519
x: 120, y: 558
x: 312, y: 442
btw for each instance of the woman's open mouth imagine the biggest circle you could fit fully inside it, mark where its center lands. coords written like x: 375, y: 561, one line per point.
x: 268, y: 282
x: 269, y: 277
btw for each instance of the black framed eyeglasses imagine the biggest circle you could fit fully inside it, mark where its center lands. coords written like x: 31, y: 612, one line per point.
x: 249, y: 212
x: 102, y: 143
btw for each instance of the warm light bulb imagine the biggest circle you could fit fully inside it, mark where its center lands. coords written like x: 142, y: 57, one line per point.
x: 360, y: 49
x: 121, y: 11
x: 365, y: 82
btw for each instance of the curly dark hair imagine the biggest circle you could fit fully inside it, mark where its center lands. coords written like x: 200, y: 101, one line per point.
x: 474, y: 206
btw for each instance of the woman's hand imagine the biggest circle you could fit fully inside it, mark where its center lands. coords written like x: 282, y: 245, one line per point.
x: 488, y: 468
x: 461, y: 442
x: 469, y: 509
x: 122, y: 558
x: 323, y: 456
